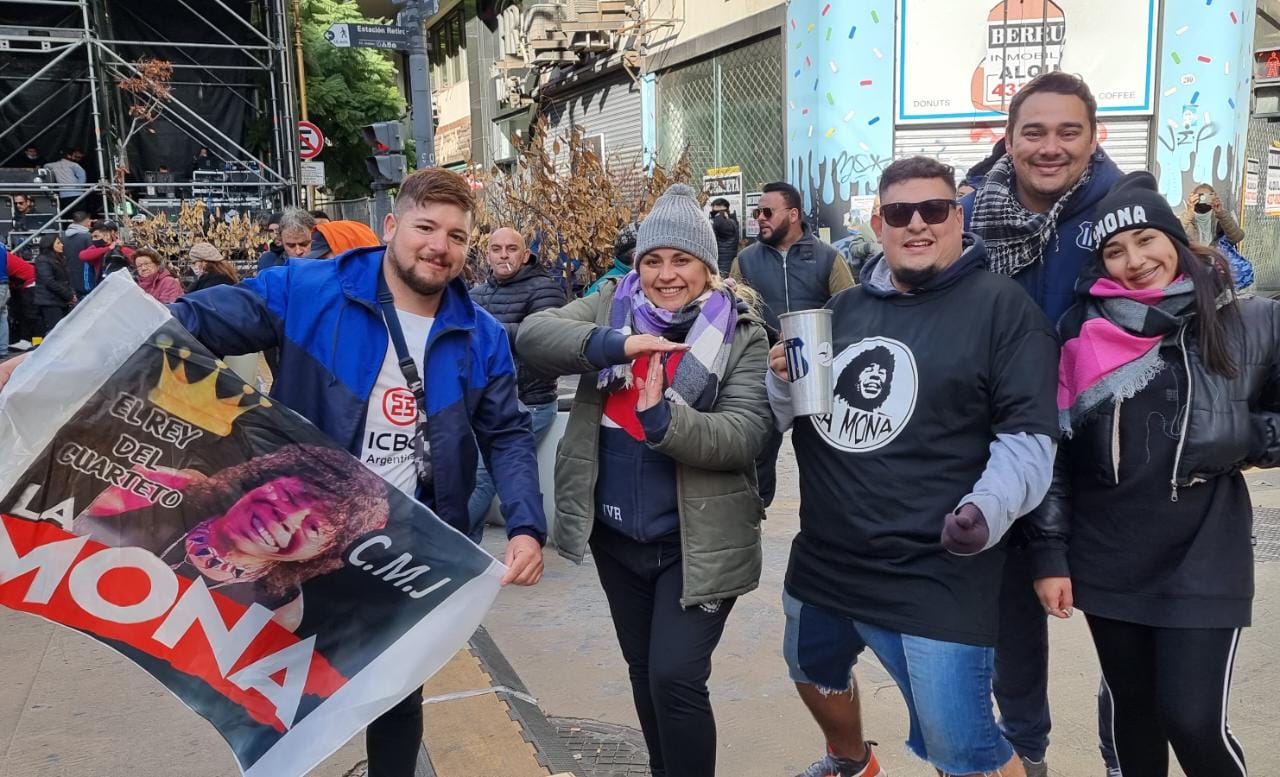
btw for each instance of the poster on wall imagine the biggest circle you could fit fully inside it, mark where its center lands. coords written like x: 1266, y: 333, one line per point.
x: 1271, y: 206
x: 724, y: 182
x: 947, y: 76
x: 752, y: 224
x: 1251, y: 175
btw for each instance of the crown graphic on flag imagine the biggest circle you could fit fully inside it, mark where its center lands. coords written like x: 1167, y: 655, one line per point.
x: 199, y: 402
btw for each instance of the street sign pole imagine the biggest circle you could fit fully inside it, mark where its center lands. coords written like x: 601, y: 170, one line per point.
x: 424, y: 140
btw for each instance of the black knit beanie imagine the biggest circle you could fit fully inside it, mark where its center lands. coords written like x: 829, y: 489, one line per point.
x: 1134, y: 203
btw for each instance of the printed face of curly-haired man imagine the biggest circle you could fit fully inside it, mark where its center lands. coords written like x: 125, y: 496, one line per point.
x: 280, y: 520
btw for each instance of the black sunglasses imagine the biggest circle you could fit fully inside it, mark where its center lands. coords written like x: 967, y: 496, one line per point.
x: 898, y: 214
x: 768, y: 212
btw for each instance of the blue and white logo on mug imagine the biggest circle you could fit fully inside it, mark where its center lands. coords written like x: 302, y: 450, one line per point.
x: 797, y: 365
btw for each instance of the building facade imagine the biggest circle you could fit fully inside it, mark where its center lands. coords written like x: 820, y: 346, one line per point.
x: 825, y: 94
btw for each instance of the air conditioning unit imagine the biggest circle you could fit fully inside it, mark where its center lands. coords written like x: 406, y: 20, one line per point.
x: 561, y: 31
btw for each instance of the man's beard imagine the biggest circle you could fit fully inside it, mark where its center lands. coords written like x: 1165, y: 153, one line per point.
x: 774, y: 238
x: 416, y: 284
x: 916, y: 277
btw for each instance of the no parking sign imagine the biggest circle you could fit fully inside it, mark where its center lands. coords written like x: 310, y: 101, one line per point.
x: 310, y: 140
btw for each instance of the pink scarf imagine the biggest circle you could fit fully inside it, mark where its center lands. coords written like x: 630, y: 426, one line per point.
x: 1112, y: 340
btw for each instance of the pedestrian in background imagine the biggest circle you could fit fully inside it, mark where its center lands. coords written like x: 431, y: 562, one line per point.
x: 4, y: 301
x: 77, y: 237
x: 791, y: 269
x: 624, y: 255
x: 656, y: 473
x: 154, y: 277
x: 106, y: 253
x: 1169, y: 384
x: 333, y: 238
x: 517, y: 287
x: 23, y: 312
x: 210, y: 267
x: 1206, y: 220
x: 53, y: 294
x: 273, y: 252
x: 728, y: 234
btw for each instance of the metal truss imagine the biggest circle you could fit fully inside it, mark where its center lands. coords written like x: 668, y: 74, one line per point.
x: 260, y: 42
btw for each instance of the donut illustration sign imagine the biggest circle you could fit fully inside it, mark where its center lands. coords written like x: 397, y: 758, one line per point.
x: 875, y: 387
x: 945, y: 75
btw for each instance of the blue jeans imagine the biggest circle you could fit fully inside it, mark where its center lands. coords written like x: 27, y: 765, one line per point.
x: 946, y: 685
x: 485, y: 491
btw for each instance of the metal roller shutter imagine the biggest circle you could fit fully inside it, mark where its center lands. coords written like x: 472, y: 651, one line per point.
x: 963, y: 147
x: 610, y: 108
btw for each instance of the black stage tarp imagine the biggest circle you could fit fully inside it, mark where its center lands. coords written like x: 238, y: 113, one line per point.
x: 163, y: 26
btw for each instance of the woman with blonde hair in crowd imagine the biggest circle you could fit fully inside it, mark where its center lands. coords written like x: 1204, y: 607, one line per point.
x: 656, y: 470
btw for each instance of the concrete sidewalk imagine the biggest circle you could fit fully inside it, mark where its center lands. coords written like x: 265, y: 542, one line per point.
x: 560, y: 639
x: 70, y: 707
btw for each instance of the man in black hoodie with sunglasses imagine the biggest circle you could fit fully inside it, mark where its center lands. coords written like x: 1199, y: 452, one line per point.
x: 942, y: 434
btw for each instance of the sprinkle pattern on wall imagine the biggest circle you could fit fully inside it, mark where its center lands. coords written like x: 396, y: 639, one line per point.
x: 1206, y: 47
x: 839, y: 83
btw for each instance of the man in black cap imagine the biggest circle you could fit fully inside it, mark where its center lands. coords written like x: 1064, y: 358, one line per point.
x: 725, y: 226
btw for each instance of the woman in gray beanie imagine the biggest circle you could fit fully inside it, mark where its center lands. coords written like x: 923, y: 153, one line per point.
x: 656, y: 471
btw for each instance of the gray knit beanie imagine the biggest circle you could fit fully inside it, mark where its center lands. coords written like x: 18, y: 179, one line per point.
x: 677, y: 221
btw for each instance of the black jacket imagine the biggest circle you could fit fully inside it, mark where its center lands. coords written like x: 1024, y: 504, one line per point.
x: 531, y: 289
x: 83, y: 275
x: 53, y: 282
x: 210, y: 279
x: 726, y: 230
x: 801, y: 280
x: 1232, y: 423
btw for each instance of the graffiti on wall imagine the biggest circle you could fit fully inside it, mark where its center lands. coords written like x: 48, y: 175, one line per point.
x: 1204, y: 95
x: 839, y: 103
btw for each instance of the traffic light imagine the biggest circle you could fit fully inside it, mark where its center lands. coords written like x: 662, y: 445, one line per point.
x: 387, y: 165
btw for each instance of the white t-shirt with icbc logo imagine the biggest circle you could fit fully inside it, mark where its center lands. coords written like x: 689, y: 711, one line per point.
x: 390, y: 420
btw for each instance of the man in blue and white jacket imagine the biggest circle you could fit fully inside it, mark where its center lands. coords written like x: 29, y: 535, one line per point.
x: 339, y: 369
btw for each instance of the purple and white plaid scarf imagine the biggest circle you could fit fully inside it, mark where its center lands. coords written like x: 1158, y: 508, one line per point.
x: 714, y: 317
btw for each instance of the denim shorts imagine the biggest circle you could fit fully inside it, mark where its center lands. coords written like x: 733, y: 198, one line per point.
x: 946, y: 685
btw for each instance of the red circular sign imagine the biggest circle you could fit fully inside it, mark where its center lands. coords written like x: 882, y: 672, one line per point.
x: 399, y: 406
x: 310, y: 140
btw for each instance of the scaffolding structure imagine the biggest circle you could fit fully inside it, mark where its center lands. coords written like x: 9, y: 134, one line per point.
x: 60, y: 65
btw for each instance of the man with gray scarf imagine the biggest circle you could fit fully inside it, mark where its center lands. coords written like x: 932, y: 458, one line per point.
x: 1034, y: 211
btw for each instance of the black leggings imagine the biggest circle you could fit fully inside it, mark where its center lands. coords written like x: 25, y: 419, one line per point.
x: 1170, y: 687
x: 393, y: 739
x: 667, y: 649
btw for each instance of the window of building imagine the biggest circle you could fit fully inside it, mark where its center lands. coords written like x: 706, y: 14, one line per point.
x: 724, y: 111
x: 448, y: 51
